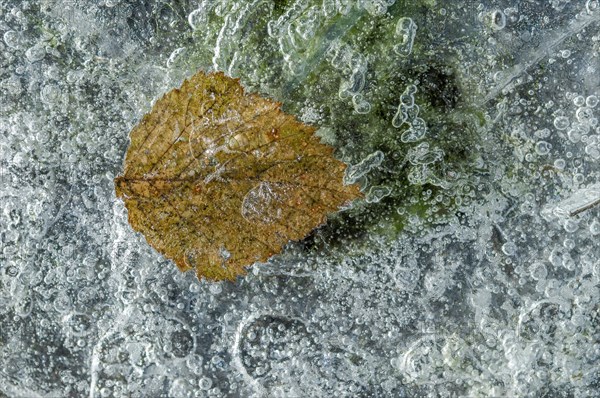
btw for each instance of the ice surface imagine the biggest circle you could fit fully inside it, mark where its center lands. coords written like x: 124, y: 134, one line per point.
x: 472, y: 267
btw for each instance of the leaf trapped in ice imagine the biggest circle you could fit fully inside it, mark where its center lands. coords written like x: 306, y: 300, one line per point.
x: 217, y: 179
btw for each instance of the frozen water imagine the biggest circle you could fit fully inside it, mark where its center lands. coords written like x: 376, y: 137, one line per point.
x: 470, y: 268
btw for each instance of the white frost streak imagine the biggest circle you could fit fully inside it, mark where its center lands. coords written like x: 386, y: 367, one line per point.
x: 535, y: 55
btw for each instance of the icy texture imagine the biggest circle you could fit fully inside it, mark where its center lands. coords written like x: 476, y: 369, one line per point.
x: 465, y: 272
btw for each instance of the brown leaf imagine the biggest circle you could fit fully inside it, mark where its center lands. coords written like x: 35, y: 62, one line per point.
x: 217, y: 179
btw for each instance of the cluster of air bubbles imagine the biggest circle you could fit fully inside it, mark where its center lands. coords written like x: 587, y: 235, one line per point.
x: 406, y: 30
x: 422, y: 159
x: 297, y: 28
x: 377, y: 193
x: 583, y: 126
x: 226, y: 48
x: 422, y: 154
x: 353, y: 67
x: 333, y: 7
x: 407, y: 102
x: 359, y: 170
x: 282, y: 339
x: 295, y: 32
x: 198, y: 18
x: 408, y: 113
x: 376, y: 7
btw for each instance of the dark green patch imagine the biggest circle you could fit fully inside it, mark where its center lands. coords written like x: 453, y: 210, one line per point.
x: 279, y: 7
x: 438, y: 85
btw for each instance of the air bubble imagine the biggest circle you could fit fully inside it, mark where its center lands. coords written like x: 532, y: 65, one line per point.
x: 13, y: 85
x: 194, y: 363
x: 561, y: 122
x: 180, y: 388
x: 498, y: 20
x: 407, y: 278
x: 401, y: 116
x: 593, y: 150
x: 377, y: 193
x: 78, y: 324
x: 205, y: 383
x: 570, y: 225
x: 35, y: 53
x: 406, y: 30
x: 215, y: 288
x: 578, y: 178
x: 560, y: 164
x: 50, y: 94
x: 591, y: 101
x: 584, y: 115
x: 12, y: 271
x: 542, y: 148
x: 509, y: 248
x: 539, y: 271
x: 574, y: 135
x: 338, y: 54
x: 579, y: 100
x: 422, y: 154
x: 62, y: 302
x: 356, y: 82
x: 329, y: 8
x: 377, y: 7
x: 355, y: 172
x: 361, y: 106
x: 12, y: 39
x: 595, y: 228
x: 416, y: 132
x: 407, y: 110
x: 543, y: 133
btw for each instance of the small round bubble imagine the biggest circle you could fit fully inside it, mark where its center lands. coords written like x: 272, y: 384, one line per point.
x: 571, y: 225
x: 50, y: 93
x: 205, y: 383
x: 579, y: 100
x: 595, y: 228
x: 591, y: 101
x: 574, y: 135
x: 498, y: 20
x: 561, y: 122
x: 578, y: 178
x: 560, y: 164
x: 542, y: 148
x: 539, y: 271
x: 509, y: 248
